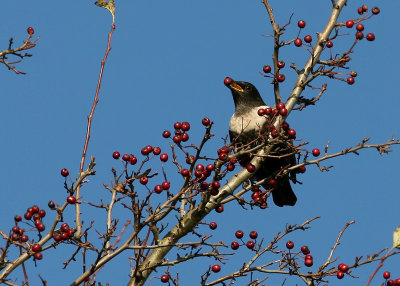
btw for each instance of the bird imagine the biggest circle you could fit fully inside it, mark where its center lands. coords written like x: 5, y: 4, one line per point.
x: 245, y: 128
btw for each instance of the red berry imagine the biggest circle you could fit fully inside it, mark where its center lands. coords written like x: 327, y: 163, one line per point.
x: 28, y: 215
x: 36, y: 248
x: 253, y: 234
x: 281, y: 64
x: 17, y: 218
x: 292, y: 133
x: 185, y: 172
x: 166, y: 134
x: 386, y: 274
x: 280, y: 105
x: 200, y: 167
x: 64, y: 172
x: 210, y: 167
x: 24, y: 238
x: 234, y: 245
x: 185, y: 137
x: 343, y: 267
x: 51, y: 204
x: 164, y: 278
x: 143, y: 180
x: 213, y: 225
x: 359, y: 35
x: 216, y: 268
x: 396, y: 282
x: 280, y: 77
x: 64, y: 236
x: 71, y: 199
x: 158, y: 189
x: 267, y: 69
x: 35, y: 209
x: 375, y: 10
x: 40, y: 227
x: 308, y: 256
x: 177, y: 139
x: 146, y: 151
x: 126, y: 157
x: 360, y: 10
x: 308, y: 39
x: 156, y: 150
x: 65, y: 227
x: 272, y: 182
x: 349, y: 23
x: 215, y: 184
x: 350, y: 80
x: 283, y: 111
x: 285, y: 126
x: 250, y: 168
x: 164, y: 157
x: 316, y: 152
x: 289, y: 244
x: 30, y: 31
x: 116, y: 155
x: 38, y: 256
x: 206, y: 121
x: 42, y: 213
x: 219, y: 209
x: 390, y: 283
x: 304, y: 249
x: 15, y: 229
x: 301, y: 24
x: 132, y: 160
x: 364, y: 8
x: 230, y: 167
x: 340, y: 274
x: 370, y: 37
x: 329, y: 44
x: 177, y: 125
x: 185, y: 126
x: 298, y: 42
x: 166, y: 185
x: 308, y: 262
x: 261, y: 112
x: 250, y: 244
x: 239, y: 234
x: 267, y: 111
x: 274, y: 133
x: 227, y: 81
x: 360, y: 27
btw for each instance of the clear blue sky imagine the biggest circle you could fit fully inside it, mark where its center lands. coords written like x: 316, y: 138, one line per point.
x: 168, y: 62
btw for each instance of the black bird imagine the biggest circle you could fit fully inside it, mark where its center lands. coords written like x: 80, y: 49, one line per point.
x: 245, y: 127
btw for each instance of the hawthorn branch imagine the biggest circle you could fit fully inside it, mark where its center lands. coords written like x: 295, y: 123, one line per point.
x: 89, y: 124
x: 27, y: 45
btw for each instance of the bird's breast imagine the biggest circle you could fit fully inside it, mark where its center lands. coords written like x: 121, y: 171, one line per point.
x: 247, y: 122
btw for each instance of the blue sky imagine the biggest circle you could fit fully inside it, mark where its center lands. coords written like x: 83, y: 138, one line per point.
x: 167, y: 64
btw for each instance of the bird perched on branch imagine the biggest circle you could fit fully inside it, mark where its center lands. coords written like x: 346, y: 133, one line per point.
x: 246, y: 129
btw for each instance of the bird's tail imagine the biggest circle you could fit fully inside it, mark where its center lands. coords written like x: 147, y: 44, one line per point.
x: 283, y: 194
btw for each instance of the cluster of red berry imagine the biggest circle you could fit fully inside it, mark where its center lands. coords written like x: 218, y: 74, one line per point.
x: 64, y: 233
x: 390, y: 282
x: 235, y: 245
x: 308, y: 259
x: 35, y: 214
x: 70, y: 199
x: 267, y: 70
x: 181, y: 134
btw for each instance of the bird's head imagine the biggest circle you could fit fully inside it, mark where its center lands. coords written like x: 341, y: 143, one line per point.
x: 245, y: 95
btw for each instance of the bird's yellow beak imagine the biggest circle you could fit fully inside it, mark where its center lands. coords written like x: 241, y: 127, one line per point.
x: 236, y: 87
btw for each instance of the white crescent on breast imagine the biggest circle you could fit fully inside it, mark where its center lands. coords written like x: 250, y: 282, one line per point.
x: 249, y: 121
